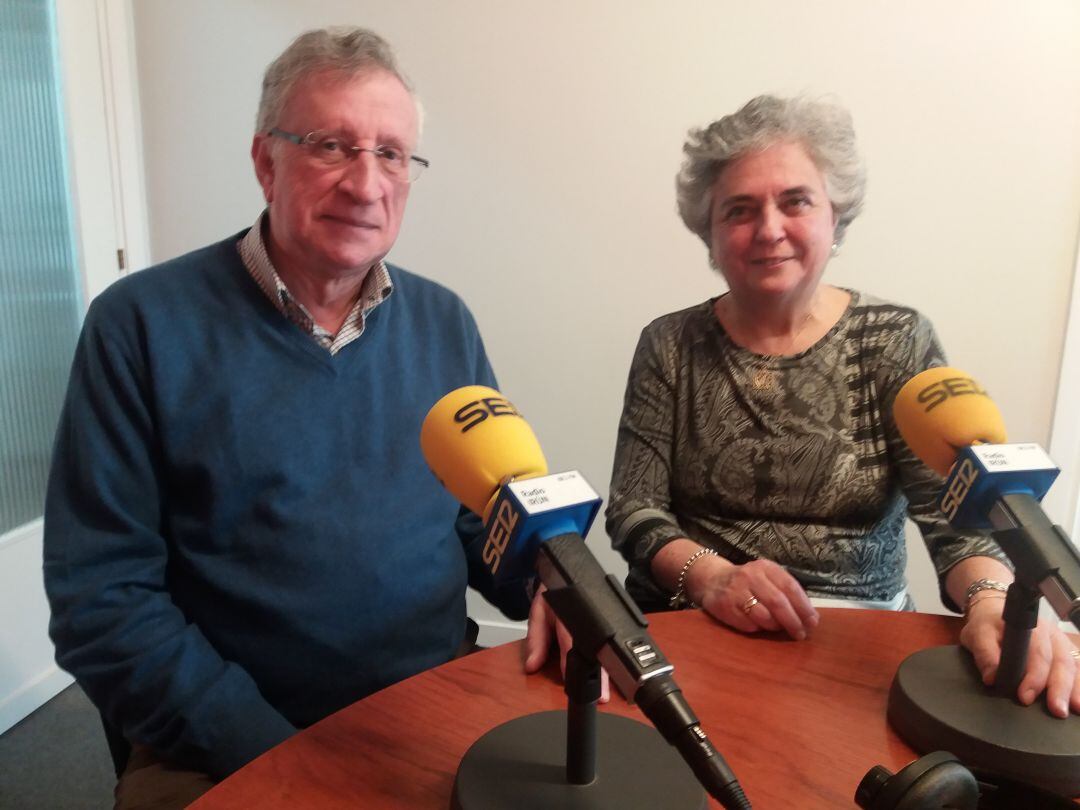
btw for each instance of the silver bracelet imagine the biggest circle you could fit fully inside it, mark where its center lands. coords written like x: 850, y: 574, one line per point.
x: 973, y: 602
x: 679, y: 598
x: 980, y: 585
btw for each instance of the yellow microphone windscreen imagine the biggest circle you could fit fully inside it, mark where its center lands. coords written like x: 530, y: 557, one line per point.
x: 941, y: 410
x: 474, y: 439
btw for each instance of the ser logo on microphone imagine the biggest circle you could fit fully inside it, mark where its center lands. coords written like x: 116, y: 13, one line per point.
x: 937, y: 393
x: 502, y: 529
x: 473, y: 413
x: 958, y: 487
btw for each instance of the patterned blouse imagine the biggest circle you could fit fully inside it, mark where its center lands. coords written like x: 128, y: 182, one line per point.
x: 793, y: 459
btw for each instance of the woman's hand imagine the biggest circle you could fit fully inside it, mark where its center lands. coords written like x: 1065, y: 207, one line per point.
x: 1051, y: 665
x: 759, y: 595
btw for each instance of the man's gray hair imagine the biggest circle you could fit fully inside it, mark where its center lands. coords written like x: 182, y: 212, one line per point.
x: 824, y: 129
x: 346, y: 50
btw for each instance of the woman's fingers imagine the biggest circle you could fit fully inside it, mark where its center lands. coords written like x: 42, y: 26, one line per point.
x: 1052, y: 668
x: 1062, y: 682
x: 788, y: 605
x: 1040, y: 657
x: 782, y: 614
x: 761, y: 595
x: 805, y: 614
x: 1074, y: 701
x: 761, y: 613
x: 983, y: 641
x: 735, y: 610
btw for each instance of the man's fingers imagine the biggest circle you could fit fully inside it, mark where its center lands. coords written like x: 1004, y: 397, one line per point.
x: 537, y: 635
x: 543, y: 628
x: 566, y: 641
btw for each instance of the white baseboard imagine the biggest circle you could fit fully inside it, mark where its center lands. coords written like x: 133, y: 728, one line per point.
x: 37, y: 692
x: 494, y: 633
x: 27, y: 531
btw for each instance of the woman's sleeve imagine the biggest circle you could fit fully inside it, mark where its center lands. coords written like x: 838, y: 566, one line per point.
x: 916, y: 350
x: 639, y: 517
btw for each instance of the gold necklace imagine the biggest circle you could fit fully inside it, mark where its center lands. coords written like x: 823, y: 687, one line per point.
x: 795, y: 338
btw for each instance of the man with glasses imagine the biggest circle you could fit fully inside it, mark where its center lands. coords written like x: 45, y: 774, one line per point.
x: 241, y: 534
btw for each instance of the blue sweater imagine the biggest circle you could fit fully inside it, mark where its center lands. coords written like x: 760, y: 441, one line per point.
x: 241, y: 535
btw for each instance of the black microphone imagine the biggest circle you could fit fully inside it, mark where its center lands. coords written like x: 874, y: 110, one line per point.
x: 946, y: 417
x: 607, y: 625
x: 536, y: 523
x: 937, y: 699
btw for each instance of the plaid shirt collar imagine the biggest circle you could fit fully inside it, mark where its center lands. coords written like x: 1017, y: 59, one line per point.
x: 375, y: 289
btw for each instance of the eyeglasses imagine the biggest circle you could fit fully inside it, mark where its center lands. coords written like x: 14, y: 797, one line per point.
x: 330, y: 149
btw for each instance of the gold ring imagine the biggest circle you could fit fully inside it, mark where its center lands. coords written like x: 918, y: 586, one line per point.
x: 748, y: 605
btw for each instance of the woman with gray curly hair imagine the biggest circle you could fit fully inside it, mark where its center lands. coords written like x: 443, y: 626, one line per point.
x: 758, y: 464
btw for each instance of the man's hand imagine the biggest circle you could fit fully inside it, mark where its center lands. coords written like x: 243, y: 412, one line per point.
x: 1050, y: 664
x: 538, y: 640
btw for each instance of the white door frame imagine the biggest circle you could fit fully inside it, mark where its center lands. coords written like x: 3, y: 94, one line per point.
x: 1062, y: 501
x: 104, y: 137
x: 102, y: 126
x: 116, y: 27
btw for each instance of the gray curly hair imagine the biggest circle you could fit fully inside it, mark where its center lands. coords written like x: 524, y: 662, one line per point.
x: 343, y: 49
x: 824, y: 129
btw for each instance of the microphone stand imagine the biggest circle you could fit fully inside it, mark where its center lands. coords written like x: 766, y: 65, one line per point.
x: 1021, y: 614
x: 577, y: 759
x: 938, y: 701
x: 582, y: 685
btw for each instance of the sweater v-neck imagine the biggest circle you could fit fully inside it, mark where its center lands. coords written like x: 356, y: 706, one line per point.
x: 289, y: 332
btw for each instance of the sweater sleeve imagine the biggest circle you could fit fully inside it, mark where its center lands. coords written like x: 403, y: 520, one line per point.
x: 915, y: 351
x: 639, y: 517
x: 151, y: 672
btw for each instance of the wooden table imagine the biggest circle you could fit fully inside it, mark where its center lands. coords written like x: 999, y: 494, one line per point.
x: 799, y: 722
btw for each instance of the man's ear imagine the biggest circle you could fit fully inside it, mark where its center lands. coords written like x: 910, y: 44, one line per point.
x: 264, y: 164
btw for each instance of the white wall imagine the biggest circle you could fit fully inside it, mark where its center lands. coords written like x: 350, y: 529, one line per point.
x: 28, y: 674
x: 554, y: 131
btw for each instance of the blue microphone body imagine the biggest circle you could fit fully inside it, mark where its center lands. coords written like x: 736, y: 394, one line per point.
x: 527, y: 512
x: 984, y: 474
x: 999, y: 486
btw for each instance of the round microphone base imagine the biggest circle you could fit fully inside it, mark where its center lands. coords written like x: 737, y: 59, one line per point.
x: 522, y: 765
x: 938, y: 703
